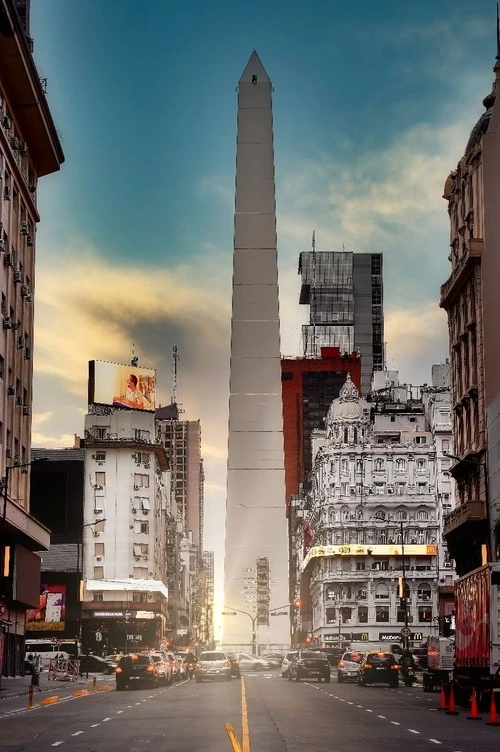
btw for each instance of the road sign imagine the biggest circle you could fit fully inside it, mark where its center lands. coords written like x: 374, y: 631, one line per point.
x: 405, y: 631
x: 279, y: 613
x: 229, y: 613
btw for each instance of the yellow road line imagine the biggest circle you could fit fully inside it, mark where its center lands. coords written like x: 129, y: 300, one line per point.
x: 244, y: 719
x: 232, y: 737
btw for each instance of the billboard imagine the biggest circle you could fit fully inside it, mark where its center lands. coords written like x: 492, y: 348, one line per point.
x: 51, y: 612
x: 371, y: 550
x: 122, y: 385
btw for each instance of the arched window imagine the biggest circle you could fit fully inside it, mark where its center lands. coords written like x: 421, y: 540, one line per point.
x: 421, y: 465
x: 345, y: 465
x: 424, y: 592
x: 359, y: 513
x: 346, y: 436
x: 400, y: 465
x: 379, y: 464
x: 381, y: 591
x: 422, y: 515
x: 379, y: 514
x: 401, y: 515
x: 345, y: 514
x: 355, y: 435
x: 382, y: 537
x: 333, y: 515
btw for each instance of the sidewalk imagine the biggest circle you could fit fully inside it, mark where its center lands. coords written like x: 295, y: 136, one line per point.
x: 17, y: 686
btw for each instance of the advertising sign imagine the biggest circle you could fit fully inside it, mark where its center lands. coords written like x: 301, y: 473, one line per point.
x: 51, y: 612
x: 122, y: 385
x: 373, y: 550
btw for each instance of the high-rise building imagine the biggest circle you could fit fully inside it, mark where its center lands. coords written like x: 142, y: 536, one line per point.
x: 255, y: 512
x: 29, y: 149
x: 344, y: 291
x: 470, y: 298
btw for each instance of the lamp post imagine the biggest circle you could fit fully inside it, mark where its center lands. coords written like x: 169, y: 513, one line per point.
x: 253, y: 619
x: 404, y: 601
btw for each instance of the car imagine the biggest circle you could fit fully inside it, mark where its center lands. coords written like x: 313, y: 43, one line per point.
x: 376, y: 668
x: 213, y: 665
x: 94, y: 664
x: 163, y: 668
x: 253, y: 662
x: 333, y: 654
x: 235, y: 665
x: 309, y: 664
x: 136, y: 669
x: 172, y: 661
x: 420, y: 658
x: 285, y: 664
x: 348, y: 666
x: 275, y: 659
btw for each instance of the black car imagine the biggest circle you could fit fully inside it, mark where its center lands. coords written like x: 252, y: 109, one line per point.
x: 235, y: 665
x: 379, y: 667
x: 310, y: 664
x: 94, y: 664
x: 136, y: 669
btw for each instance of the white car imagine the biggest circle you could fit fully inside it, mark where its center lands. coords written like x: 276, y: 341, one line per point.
x: 253, y: 663
x: 286, y: 663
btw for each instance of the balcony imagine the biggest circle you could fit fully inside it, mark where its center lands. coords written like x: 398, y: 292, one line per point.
x: 463, y: 267
x: 471, y: 511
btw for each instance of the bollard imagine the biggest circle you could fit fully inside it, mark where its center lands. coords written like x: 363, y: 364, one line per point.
x: 30, y: 697
x: 94, y: 684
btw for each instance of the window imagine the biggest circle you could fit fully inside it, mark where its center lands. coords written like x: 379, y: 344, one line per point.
x: 330, y: 615
x: 2, y: 366
x: 382, y: 537
x: 381, y: 591
x: 345, y: 515
x: 99, y: 527
x: 400, y: 489
x: 421, y: 464
x: 360, y: 566
x: 141, y: 435
x: 100, y: 431
x: 425, y: 613
x: 99, y: 597
x: 100, y: 481
x: 401, y: 515
x: 144, y: 527
x: 379, y: 489
x: 362, y: 614
x: 422, y: 515
x: 98, y: 549
x: 359, y: 465
x: 139, y: 597
x: 100, y: 456
x: 445, y: 445
x: 98, y: 573
x: 420, y: 440
x: 141, y: 480
x: 400, y: 465
x: 379, y: 465
x: 379, y: 514
x: 344, y: 465
x: 421, y: 488
x: 344, y: 489
x: 346, y: 614
x: 362, y: 594
x: 424, y: 592
x: 382, y: 614
x: 400, y: 615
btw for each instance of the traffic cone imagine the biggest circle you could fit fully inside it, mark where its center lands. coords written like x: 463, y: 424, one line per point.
x: 474, y: 715
x: 451, y: 704
x: 493, y: 712
x: 442, y: 698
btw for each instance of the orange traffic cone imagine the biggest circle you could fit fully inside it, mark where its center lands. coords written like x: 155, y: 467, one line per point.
x: 442, y: 698
x: 474, y: 715
x: 451, y: 704
x: 493, y: 712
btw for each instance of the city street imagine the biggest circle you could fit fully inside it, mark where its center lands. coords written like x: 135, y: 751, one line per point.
x: 283, y: 716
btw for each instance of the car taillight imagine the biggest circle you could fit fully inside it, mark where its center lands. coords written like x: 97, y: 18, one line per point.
x: 368, y: 665
x: 150, y: 668
x: 396, y: 666
x: 118, y: 670
x: 227, y: 664
x: 341, y: 664
x: 198, y: 665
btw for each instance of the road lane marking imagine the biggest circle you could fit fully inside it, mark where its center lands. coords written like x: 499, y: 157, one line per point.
x: 119, y: 711
x: 94, y: 725
x: 435, y: 741
x: 368, y: 710
x: 56, y: 744
x: 382, y: 716
x: 350, y: 703
x: 77, y: 733
x: 245, y: 733
x: 396, y: 723
x: 413, y: 731
x: 105, y: 719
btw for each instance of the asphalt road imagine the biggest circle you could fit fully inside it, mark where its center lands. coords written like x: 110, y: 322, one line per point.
x: 283, y: 716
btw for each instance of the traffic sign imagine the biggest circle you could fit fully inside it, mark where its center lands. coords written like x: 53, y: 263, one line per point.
x: 279, y: 613
x: 229, y: 613
x: 405, y: 631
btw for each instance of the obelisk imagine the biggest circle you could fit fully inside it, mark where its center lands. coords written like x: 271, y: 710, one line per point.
x: 256, y: 525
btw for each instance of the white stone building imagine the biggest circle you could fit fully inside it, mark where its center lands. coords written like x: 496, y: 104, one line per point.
x: 372, y: 519
x: 126, y: 502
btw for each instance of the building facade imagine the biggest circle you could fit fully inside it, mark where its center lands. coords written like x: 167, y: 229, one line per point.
x: 344, y: 291
x: 126, y: 504
x: 470, y: 299
x: 370, y: 542
x: 29, y: 149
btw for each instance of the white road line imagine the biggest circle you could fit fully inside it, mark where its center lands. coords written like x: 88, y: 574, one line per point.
x: 359, y: 706
x: 395, y: 723
x: 382, y: 716
x: 413, y: 731
x: 94, y: 725
x: 137, y: 703
x: 368, y: 710
x: 105, y: 719
x: 56, y: 744
x: 77, y: 733
x: 119, y: 711
x: 350, y: 703
x: 435, y: 741
x: 341, y: 699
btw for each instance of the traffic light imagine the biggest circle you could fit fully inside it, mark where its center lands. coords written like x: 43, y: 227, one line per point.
x: 296, y: 602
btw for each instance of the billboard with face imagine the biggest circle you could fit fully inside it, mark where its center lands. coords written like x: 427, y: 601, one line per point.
x: 122, y: 385
x: 51, y: 612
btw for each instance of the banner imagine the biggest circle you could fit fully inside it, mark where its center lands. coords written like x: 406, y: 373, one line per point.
x: 411, y: 549
x: 51, y: 612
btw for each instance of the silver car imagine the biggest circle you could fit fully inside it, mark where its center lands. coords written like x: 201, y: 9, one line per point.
x: 348, y: 666
x: 213, y: 665
x: 286, y: 663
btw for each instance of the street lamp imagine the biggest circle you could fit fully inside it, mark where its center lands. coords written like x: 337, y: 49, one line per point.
x: 253, y: 618
x: 3, y: 529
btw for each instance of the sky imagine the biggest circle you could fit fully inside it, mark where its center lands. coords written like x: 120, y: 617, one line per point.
x: 372, y: 105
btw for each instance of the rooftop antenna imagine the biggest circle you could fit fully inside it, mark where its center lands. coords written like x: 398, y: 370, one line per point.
x: 134, y: 360
x: 175, y: 360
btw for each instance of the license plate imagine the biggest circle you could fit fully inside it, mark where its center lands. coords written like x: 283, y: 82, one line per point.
x: 134, y: 677
x: 212, y: 671
x: 314, y: 673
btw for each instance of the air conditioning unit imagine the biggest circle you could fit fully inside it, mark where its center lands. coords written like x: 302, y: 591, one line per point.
x: 146, y: 464
x: 14, y: 143
x: 6, y: 122
x: 98, y: 558
x: 134, y: 510
x: 151, y: 597
x: 19, y: 402
x: 7, y: 322
x: 26, y: 410
x: 94, y: 457
x: 6, y: 193
x: 8, y: 454
x: 23, y: 147
x: 137, y: 558
x: 32, y: 188
x: 27, y: 353
x: 98, y: 510
x: 24, y: 227
x: 20, y: 343
x: 18, y: 276
x: 7, y: 259
x: 29, y: 240
x: 15, y: 326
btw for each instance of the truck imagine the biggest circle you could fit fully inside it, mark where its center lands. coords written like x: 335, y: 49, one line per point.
x: 440, y: 659
x: 477, y: 634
